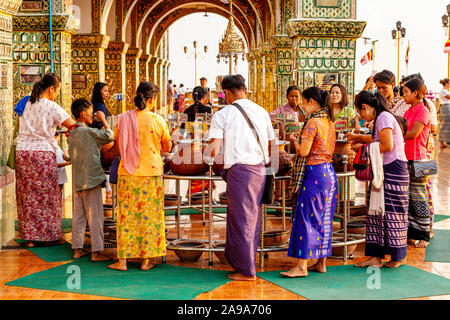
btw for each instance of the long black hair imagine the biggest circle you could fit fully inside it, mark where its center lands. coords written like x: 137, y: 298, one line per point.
x: 197, y: 94
x: 321, y: 97
x: 376, y: 101
x: 144, y: 92
x: 416, y: 84
x: 97, y: 93
x: 49, y: 80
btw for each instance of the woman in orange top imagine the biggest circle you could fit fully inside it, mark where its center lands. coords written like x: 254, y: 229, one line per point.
x: 141, y: 134
x: 315, y: 182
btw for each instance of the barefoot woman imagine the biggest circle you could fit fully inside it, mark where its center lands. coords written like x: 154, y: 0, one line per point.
x: 140, y: 220
x: 315, y: 182
x: 386, y: 230
x: 416, y: 141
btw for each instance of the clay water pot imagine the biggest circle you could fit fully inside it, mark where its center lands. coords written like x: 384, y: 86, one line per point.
x: 343, y: 148
x: 223, y: 198
x: 218, y: 164
x: 220, y: 254
x: 108, y: 152
x: 188, y: 159
x: 276, y: 238
x: 170, y: 200
x: 188, y: 255
x: 285, y: 163
x: 166, y: 157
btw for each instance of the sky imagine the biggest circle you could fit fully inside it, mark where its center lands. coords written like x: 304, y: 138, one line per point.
x: 422, y: 20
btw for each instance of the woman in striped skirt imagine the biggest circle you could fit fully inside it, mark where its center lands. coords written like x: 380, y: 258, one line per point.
x: 387, y: 228
x: 416, y: 141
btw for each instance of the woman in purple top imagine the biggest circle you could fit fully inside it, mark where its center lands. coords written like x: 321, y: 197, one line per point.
x: 387, y: 232
x: 293, y: 107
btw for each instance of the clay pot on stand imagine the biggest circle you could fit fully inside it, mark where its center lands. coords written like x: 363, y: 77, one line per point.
x: 285, y: 159
x: 343, y: 148
x: 108, y: 152
x: 218, y: 164
x: 188, y: 159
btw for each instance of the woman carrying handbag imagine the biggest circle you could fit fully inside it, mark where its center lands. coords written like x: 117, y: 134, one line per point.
x: 387, y: 219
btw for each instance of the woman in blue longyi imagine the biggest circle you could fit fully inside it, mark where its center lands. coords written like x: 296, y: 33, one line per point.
x: 315, y: 183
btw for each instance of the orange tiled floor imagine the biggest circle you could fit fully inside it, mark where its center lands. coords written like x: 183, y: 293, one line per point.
x: 18, y: 263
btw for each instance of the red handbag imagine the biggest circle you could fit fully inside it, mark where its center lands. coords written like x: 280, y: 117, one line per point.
x: 362, y: 164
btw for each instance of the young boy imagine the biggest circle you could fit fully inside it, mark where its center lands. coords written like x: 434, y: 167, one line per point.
x: 84, y: 151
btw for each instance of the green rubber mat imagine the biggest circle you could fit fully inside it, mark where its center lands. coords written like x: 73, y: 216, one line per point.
x: 56, y: 253
x: 440, y: 217
x: 351, y: 283
x: 438, y: 250
x: 66, y: 225
x: 164, y: 282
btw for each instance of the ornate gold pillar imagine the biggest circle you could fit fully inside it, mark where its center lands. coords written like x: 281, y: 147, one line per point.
x: 164, y: 81
x: 269, y: 103
x: 143, y: 67
x: 88, y: 63
x: 259, y: 77
x: 132, y: 75
x: 161, y: 99
x: 115, y: 74
x: 152, y: 69
x: 284, y: 60
x: 251, y: 76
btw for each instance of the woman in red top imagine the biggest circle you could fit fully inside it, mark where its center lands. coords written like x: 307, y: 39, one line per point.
x: 416, y: 141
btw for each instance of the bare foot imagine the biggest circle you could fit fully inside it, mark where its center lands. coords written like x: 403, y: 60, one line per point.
x: 320, y: 266
x: 30, y: 244
x: 118, y: 266
x: 373, y: 261
x: 78, y: 253
x: 394, y: 264
x: 97, y: 256
x: 422, y: 244
x: 147, y: 266
x: 295, y: 273
x: 240, y: 277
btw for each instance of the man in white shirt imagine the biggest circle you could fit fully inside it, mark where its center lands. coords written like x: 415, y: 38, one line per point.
x: 245, y: 173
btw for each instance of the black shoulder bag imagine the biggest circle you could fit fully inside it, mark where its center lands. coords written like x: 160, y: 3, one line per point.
x: 270, y: 176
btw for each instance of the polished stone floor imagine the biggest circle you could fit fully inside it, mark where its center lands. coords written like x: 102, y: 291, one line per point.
x: 19, y: 263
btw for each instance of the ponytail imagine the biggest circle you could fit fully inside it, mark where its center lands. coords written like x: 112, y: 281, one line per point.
x: 49, y: 80
x: 321, y: 97
x: 376, y: 101
x: 144, y: 92
x: 140, y: 102
x: 197, y: 94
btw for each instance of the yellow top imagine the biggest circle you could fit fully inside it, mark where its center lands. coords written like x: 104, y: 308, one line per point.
x: 153, y: 136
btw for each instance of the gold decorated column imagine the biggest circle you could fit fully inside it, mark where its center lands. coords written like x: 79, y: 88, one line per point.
x: 88, y: 63
x: 252, y: 76
x: 284, y: 60
x: 144, y: 67
x: 159, y: 84
x: 268, y: 60
x: 115, y: 74
x: 132, y: 75
x: 259, y: 77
